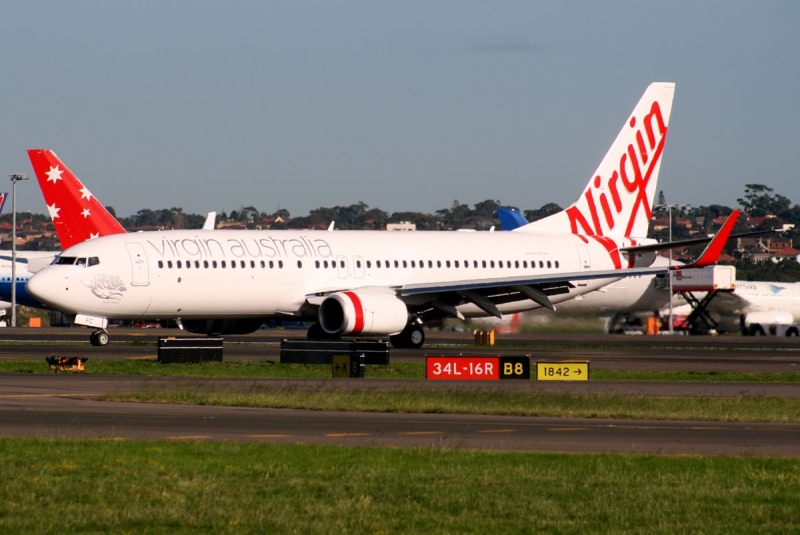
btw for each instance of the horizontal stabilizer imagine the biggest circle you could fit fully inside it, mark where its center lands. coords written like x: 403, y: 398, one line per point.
x: 713, y: 251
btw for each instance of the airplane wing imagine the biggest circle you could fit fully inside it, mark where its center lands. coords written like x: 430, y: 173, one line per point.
x: 490, y: 292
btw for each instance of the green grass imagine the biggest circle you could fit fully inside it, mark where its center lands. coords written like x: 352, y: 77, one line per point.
x: 415, y: 398
x: 397, y: 370
x: 49, y: 486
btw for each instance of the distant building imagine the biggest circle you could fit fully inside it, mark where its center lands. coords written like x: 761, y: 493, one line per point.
x: 402, y: 225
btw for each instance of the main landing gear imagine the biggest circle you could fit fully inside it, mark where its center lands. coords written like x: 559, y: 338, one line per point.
x: 99, y: 338
x: 412, y: 337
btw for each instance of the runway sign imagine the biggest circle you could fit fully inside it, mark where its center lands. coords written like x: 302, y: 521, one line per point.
x: 348, y: 366
x: 562, y: 371
x: 477, y: 368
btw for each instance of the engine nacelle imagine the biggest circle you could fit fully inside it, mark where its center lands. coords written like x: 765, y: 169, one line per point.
x: 362, y: 312
x: 243, y: 326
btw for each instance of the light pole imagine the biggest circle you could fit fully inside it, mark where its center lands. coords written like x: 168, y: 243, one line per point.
x: 15, y: 177
x: 669, y: 208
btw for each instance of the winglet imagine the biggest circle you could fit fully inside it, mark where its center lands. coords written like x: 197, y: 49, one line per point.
x: 713, y: 250
x: 77, y: 215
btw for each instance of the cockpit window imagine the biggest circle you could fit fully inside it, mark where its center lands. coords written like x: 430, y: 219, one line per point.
x: 71, y: 260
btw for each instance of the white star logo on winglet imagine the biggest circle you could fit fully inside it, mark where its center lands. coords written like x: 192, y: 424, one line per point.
x: 54, y: 174
x: 53, y: 210
x: 93, y: 236
x: 86, y: 213
x: 85, y: 193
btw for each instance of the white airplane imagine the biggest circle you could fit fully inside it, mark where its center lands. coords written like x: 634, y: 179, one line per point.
x: 372, y: 282
x: 755, y: 308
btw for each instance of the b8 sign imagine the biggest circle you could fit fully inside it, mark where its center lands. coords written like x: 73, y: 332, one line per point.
x: 483, y: 368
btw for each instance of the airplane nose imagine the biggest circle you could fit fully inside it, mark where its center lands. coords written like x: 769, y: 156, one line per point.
x: 40, y: 286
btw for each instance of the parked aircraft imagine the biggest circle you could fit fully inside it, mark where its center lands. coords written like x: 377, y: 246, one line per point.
x: 372, y: 282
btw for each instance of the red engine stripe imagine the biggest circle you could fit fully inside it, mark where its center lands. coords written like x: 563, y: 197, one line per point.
x: 359, y: 326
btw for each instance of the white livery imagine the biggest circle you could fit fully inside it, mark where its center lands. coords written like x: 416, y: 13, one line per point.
x: 373, y: 282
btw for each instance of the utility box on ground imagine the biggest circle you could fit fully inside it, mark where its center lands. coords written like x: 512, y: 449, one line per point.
x: 190, y: 349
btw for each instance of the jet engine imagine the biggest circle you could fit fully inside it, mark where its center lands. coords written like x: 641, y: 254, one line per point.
x: 362, y: 312
x: 234, y: 326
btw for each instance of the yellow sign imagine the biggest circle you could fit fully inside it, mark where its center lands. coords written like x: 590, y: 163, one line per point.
x: 562, y: 371
x: 341, y: 365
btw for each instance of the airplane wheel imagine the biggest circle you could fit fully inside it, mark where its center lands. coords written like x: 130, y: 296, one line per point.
x: 757, y: 330
x: 316, y: 332
x: 99, y: 338
x: 416, y: 336
x: 412, y: 337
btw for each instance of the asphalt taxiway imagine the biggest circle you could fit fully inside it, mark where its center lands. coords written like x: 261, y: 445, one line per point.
x: 67, y: 405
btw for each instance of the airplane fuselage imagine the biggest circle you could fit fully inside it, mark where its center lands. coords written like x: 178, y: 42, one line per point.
x: 267, y: 274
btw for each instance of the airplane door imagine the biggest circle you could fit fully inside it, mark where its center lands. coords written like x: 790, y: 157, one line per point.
x: 140, y: 274
x: 584, y: 260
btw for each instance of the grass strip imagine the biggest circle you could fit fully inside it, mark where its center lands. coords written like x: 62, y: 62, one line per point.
x: 417, y: 399
x: 92, y: 486
x: 271, y: 368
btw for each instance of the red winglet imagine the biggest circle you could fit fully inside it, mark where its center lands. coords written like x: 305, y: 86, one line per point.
x: 713, y: 250
x: 77, y: 215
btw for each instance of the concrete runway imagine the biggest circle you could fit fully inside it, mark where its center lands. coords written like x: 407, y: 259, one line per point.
x: 66, y: 405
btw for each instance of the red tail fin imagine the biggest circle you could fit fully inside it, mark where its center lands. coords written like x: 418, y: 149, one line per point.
x: 76, y: 214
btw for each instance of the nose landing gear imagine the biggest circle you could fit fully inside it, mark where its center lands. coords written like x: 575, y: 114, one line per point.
x: 99, y: 338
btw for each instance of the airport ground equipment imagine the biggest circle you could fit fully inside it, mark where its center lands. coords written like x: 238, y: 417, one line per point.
x: 62, y: 363
x: 201, y: 349
x: 699, y: 287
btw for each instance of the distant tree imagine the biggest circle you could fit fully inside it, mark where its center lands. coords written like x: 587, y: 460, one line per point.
x: 760, y: 201
x: 546, y: 210
x: 486, y: 208
x: 145, y: 217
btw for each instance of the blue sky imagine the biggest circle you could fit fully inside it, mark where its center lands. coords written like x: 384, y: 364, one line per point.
x: 404, y: 106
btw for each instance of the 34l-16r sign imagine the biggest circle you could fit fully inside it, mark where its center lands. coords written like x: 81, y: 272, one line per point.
x: 477, y: 368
